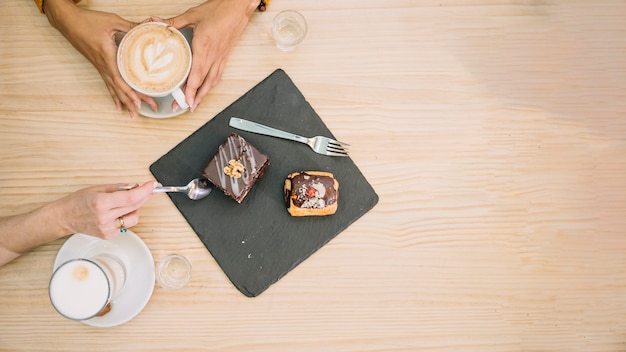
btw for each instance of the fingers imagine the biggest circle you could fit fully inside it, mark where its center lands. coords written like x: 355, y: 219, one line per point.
x: 127, y: 220
x: 116, y: 100
x: 131, y: 219
x: 168, y: 21
x: 123, y: 202
x: 123, y: 94
x: 199, y: 81
x: 193, y: 83
x: 178, y: 22
x: 197, y: 72
x: 119, y: 225
x: 150, y: 101
x: 129, y: 98
x: 126, y: 201
x: 213, y: 77
x: 122, y: 198
x: 120, y: 24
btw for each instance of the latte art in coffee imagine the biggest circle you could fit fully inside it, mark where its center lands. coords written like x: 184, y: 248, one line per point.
x: 154, y: 59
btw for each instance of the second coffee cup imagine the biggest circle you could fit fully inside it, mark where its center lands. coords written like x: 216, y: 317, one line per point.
x: 154, y: 58
x: 82, y: 288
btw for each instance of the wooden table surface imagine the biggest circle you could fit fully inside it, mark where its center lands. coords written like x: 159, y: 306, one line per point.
x: 493, y: 132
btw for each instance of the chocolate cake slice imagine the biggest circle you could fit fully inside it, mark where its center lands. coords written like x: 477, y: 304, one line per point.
x: 235, y: 167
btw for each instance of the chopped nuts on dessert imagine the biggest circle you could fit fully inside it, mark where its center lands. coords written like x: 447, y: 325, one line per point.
x: 234, y: 168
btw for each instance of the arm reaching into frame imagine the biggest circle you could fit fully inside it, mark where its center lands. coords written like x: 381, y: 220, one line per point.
x: 101, y: 211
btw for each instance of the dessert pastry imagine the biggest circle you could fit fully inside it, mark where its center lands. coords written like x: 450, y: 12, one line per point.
x: 235, y: 167
x: 311, y: 193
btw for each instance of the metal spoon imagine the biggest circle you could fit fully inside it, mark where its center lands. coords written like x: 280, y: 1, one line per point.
x: 196, y: 189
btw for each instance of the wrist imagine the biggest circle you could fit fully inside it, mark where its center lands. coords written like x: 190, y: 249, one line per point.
x: 55, y: 9
x: 54, y: 216
x: 257, y: 5
x: 248, y: 7
x: 262, y: 6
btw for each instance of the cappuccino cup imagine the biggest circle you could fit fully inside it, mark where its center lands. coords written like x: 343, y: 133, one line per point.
x: 154, y: 58
x: 83, y: 288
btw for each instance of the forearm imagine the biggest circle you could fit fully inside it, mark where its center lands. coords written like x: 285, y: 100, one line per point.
x: 260, y: 5
x: 21, y: 233
x: 58, y: 9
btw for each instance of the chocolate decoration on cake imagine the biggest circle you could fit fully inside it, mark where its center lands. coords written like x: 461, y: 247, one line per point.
x: 311, y: 193
x: 235, y: 167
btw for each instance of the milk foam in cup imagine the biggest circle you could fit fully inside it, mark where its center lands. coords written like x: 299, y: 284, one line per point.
x: 81, y: 288
x: 155, y: 59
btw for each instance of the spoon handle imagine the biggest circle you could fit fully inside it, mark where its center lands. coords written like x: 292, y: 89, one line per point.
x: 170, y: 189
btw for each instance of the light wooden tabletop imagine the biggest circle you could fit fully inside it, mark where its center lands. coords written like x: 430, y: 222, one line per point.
x: 493, y: 132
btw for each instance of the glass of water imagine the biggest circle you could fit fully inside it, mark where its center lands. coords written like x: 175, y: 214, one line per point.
x: 173, y: 272
x: 289, y: 29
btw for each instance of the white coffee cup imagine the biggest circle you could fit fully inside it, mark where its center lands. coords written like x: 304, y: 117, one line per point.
x: 82, y: 288
x: 154, y: 58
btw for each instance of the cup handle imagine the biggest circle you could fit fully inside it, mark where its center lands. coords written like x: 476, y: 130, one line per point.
x: 180, y: 98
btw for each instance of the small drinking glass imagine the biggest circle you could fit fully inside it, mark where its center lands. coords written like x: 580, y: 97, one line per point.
x: 288, y: 28
x: 173, y: 272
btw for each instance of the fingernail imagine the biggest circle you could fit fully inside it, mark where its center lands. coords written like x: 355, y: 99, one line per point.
x: 176, y: 108
x: 127, y: 187
x: 156, y: 184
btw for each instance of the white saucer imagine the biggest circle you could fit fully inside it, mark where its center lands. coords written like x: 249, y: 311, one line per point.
x: 139, y: 263
x: 165, y: 108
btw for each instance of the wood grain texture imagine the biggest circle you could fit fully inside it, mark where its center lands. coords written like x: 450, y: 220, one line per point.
x: 492, y: 130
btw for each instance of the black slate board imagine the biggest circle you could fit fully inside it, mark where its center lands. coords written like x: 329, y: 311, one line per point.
x: 257, y: 242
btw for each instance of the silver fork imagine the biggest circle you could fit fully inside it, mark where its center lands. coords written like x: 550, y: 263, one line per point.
x: 319, y: 144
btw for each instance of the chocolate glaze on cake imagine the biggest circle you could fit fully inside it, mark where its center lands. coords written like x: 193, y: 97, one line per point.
x: 311, y: 193
x: 324, y: 193
x: 235, y: 167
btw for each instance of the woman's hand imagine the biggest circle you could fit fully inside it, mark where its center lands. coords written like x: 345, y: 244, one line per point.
x: 96, y: 210
x: 92, y: 33
x: 217, y: 25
